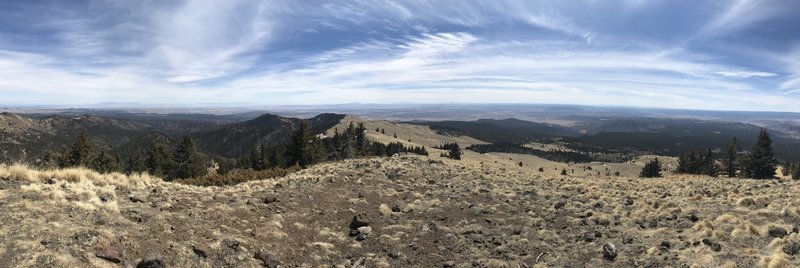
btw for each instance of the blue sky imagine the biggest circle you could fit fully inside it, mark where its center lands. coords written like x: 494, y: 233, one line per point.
x: 720, y: 55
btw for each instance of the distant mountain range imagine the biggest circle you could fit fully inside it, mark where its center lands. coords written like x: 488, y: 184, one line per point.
x: 26, y: 138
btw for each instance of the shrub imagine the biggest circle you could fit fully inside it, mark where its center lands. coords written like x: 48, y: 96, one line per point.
x: 239, y: 176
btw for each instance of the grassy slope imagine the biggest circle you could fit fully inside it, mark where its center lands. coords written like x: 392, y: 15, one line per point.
x: 495, y: 215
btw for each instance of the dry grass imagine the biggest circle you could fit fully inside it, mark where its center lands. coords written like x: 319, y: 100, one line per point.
x: 517, y: 213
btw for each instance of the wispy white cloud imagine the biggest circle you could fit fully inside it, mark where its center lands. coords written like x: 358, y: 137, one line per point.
x: 209, y: 39
x: 382, y: 51
x: 745, y: 74
x: 740, y: 15
x: 560, y: 24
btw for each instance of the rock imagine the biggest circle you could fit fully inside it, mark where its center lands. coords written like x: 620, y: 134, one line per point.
x: 476, y: 238
x: 627, y: 201
x: 559, y: 204
x: 353, y: 232
x: 693, y: 217
x: 449, y: 264
x: 135, y: 199
x: 151, y: 263
x: 359, y: 220
x: 396, y: 208
x: 361, y: 237
x: 105, y: 197
x: 270, y: 199
x: 109, y: 253
x: 665, y: 245
x: 87, y: 238
x: 394, y: 254
x: 361, y: 233
x: 588, y: 237
x: 627, y: 240
x: 365, y: 230
x: 609, y: 251
x: 50, y: 181
x: 201, y: 251
x: 266, y: 259
x: 711, y: 244
x: 777, y: 232
x: 791, y: 248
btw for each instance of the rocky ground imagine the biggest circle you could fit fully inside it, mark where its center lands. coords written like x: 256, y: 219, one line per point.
x: 404, y: 211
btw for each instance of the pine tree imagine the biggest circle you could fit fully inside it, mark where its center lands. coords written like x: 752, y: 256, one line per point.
x: 761, y: 162
x: 689, y: 163
x: 105, y: 162
x: 188, y: 162
x: 361, y: 140
x: 651, y: 169
x: 563, y: 171
x: 299, y: 151
x: 81, y: 153
x: 136, y: 163
x: 158, y: 161
x: 275, y: 158
x: 794, y: 170
x: 731, y: 161
x: 455, y: 152
x: 709, y: 165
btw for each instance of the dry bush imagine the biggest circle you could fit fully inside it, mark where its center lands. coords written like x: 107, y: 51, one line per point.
x: 239, y: 177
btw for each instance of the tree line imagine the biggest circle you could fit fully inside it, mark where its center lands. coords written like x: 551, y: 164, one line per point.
x: 453, y: 150
x: 185, y: 161
x: 758, y: 163
x: 552, y: 155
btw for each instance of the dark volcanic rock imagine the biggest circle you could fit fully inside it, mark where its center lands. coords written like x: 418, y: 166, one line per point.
x: 777, y: 232
x: 270, y: 199
x: 359, y: 220
x: 201, y: 251
x: 791, y: 248
x: 713, y: 245
x: 609, y: 251
x: 151, y: 263
x: 665, y: 245
x: 266, y: 259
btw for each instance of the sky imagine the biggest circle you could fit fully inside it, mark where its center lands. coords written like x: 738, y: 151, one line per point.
x: 715, y: 55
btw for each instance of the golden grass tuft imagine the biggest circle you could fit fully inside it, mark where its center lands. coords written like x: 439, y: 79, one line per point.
x: 745, y: 229
x: 776, y: 260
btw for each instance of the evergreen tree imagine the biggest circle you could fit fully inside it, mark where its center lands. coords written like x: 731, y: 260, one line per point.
x: 105, y: 162
x: 689, y: 163
x: 709, y: 165
x: 794, y: 170
x: 275, y: 158
x: 731, y: 161
x: 563, y: 171
x: 299, y: 151
x: 188, y: 162
x: 136, y: 163
x: 455, y: 152
x: 158, y: 160
x: 761, y: 162
x: 361, y: 140
x: 651, y: 169
x: 81, y: 153
x: 692, y: 162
